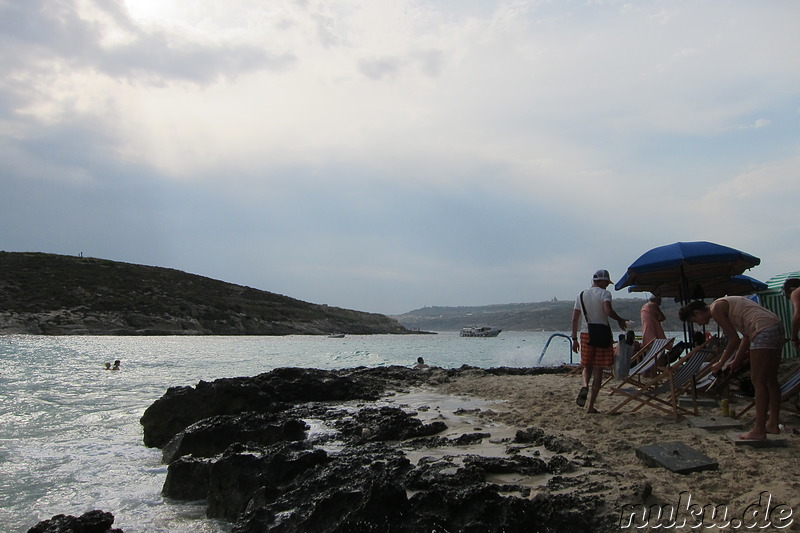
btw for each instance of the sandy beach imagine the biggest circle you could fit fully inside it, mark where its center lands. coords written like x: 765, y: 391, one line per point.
x: 745, y: 479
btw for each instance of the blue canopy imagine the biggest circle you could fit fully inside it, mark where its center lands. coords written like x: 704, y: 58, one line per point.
x: 681, y: 266
x: 740, y: 285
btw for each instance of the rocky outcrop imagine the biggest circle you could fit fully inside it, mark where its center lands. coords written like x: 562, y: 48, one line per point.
x: 211, y: 436
x: 91, y: 522
x: 271, y: 392
x: 321, y: 451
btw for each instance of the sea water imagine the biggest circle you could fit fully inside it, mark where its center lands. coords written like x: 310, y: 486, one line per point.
x: 70, y: 438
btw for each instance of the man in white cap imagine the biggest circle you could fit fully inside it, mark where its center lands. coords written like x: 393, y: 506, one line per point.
x: 595, y: 305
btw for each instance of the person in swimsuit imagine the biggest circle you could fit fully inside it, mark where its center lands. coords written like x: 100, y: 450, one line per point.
x: 790, y: 287
x: 421, y: 364
x: 652, y: 316
x: 762, y: 334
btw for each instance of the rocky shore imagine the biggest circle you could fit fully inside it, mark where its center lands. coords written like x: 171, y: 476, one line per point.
x: 375, y: 449
x: 392, y: 449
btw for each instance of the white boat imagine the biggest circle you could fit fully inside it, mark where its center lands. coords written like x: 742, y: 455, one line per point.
x: 480, y: 331
x: 336, y: 336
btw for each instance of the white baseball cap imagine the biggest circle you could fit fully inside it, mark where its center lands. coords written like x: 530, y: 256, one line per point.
x: 602, y: 275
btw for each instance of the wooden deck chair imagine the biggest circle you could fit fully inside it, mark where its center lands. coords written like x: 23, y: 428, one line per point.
x: 790, y: 386
x: 662, y: 392
x: 648, y: 358
x: 718, y: 386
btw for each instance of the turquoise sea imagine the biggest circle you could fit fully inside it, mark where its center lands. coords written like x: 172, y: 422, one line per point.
x: 70, y: 438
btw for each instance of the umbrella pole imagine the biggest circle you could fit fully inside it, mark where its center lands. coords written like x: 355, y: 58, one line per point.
x: 688, y: 326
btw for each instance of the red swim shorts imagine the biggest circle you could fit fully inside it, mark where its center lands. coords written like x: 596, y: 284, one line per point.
x: 594, y: 356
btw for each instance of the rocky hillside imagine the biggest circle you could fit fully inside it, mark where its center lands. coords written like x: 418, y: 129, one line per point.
x: 553, y: 315
x: 62, y: 295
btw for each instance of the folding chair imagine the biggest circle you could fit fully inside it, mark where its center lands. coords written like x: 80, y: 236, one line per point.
x: 662, y: 392
x: 648, y: 358
x: 717, y: 386
x: 790, y: 385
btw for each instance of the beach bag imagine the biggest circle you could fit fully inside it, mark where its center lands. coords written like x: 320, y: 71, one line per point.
x: 622, y: 358
x: 600, y: 335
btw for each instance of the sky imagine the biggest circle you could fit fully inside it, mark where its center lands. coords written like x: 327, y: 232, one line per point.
x: 389, y: 155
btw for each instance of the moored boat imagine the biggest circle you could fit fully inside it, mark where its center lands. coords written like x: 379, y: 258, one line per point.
x: 480, y: 331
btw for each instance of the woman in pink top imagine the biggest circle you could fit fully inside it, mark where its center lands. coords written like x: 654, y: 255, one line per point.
x: 762, y: 333
x: 652, y: 317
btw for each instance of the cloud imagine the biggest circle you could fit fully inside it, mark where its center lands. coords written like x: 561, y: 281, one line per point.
x: 758, y: 123
x: 387, y: 155
x: 101, y: 37
x: 377, y: 69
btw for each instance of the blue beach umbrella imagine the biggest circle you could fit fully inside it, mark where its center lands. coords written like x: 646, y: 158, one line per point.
x: 739, y: 285
x: 684, y: 265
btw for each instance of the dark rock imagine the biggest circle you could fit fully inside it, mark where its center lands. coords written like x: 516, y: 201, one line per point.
x: 92, y: 522
x: 526, y: 371
x: 559, y: 465
x: 243, y: 471
x: 529, y: 436
x: 529, y: 466
x: 481, y: 508
x: 270, y: 478
x: 470, y: 438
x: 188, y: 479
x: 554, y: 443
x: 359, y: 489
x: 386, y: 424
x: 180, y: 407
x: 213, y: 435
x: 313, y: 385
x: 464, y: 439
x: 448, y: 471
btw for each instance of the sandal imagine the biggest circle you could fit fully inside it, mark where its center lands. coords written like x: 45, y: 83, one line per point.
x: 581, y: 401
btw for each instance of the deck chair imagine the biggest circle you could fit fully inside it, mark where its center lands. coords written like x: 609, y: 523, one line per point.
x: 662, y: 392
x: 790, y: 386
x: 718, y: 386
x: 647, y: 358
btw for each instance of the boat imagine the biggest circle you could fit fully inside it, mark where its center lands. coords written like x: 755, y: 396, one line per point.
x: 336, y: 336
x: 480, y: 331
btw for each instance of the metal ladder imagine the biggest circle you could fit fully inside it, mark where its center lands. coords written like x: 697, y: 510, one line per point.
x: 554, y: 335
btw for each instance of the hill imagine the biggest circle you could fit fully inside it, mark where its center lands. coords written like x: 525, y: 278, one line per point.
x: 62, y: 295
x: 555, y: 315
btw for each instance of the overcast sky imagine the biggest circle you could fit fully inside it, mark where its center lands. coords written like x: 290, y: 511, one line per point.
x: 386, y: 155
